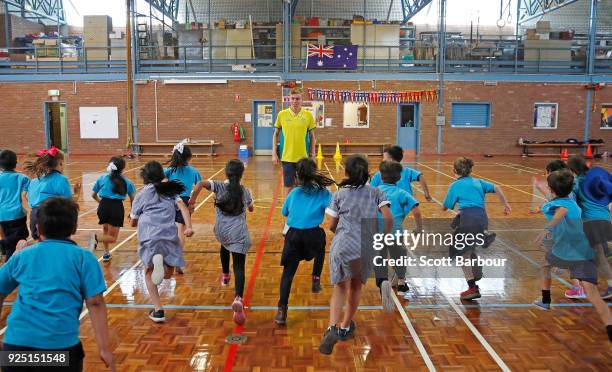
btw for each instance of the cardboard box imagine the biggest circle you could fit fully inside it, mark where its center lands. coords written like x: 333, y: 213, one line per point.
x: 543, y: 27
x: 51, y: 42
x: 544, y: 36
x: 38, y: 42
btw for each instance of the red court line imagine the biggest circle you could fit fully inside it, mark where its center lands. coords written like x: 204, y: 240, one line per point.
x: 231, y: 356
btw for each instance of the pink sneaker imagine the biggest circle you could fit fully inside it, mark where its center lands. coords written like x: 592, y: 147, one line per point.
x: 225, y: 279
x: 238, y: 308
x: 576, y: 292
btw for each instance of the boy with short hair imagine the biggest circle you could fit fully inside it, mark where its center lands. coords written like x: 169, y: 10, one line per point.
x: 408, y: 175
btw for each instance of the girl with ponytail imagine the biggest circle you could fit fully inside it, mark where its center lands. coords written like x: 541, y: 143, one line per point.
x: 159, y: 247
x: 232, y: 201
x: 110, y: 190
x: 304, y: 208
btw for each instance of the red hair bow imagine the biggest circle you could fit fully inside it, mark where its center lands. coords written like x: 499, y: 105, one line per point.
x: 52, y: 151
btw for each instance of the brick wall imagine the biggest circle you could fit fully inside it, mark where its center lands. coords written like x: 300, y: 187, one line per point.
x: 206, y: 111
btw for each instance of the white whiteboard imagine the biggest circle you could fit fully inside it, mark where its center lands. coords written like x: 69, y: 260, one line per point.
x: 99, y: 122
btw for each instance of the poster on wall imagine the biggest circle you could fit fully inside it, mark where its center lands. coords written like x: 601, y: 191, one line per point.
x: 264, y: 115
x: 99, y: 122
x: 317, y: 110
x: 545, y: 115
x: 356, y: 115
x: 606, y: 116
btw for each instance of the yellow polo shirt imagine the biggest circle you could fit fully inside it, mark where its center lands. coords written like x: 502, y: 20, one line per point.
x: 294, y: 129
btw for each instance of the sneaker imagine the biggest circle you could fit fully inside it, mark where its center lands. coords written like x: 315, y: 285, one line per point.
x: 330, y: 337
x: 106, y: 257
x: 385, y: 295
x: 93, y: 243
x: 541, y: 305
x: 489, y: 238
x: 157, y: 316
x: 225, y: 279
x: 470, y: 294
x: 576, y: 292
x: 402, y: 289
x: 607, y: 294
x: 281, y: 315
x: 179, y: 270
x: 158, y: 269
x: 238, y: 308
x: 346, y: 334
x: 316, y: 284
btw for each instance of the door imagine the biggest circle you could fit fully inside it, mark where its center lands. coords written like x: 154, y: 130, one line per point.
x: 408, y: 127
x: 56, y: 125
x: 264, y: 116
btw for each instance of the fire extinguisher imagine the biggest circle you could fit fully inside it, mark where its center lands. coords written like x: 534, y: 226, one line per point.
x: 236, y: 132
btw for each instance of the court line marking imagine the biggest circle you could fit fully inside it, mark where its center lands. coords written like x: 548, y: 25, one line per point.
x: 512, y: 167
x: 405, y: 318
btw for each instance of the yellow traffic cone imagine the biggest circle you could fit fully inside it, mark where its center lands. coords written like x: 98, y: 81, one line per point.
x: 319, y: 153
x: 338, y: 155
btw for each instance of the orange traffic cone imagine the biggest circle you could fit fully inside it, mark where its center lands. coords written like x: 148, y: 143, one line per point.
x: 589, y: 152
x: 564, y: 154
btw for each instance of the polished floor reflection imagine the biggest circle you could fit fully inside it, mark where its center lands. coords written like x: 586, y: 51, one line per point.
x: 501, y: 329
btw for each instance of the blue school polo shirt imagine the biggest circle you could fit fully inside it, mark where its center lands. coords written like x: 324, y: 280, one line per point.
x: 401, y: 204
x: 104, y: 188
x: 409, y: 175
x: 53, y: 184
x: 54, y: 278
x: 590, y: 209
x: 12, y: 185
x: 305, y: 208
x: 468, y: 192
x: 188, y: 175
x: 569, y: 241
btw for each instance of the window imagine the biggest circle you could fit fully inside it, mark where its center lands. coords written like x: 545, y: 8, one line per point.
x: 356, y: 115
x: 470, y: 115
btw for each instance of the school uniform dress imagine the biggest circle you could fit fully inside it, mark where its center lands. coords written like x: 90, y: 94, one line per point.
x: 157, y: 232
x: 408, y: 176
x: 569, y: 248
x: 351, y: 251
x: 402, y: 203
x: 110, y: 209
x: 54, y: 278
x: 232, y: 231
x: 188, y: 176
x: 40, y: 189
x: 13, y: 217
x: 469, y: 194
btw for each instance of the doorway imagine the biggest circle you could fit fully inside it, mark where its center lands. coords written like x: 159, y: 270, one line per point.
x: 264, y: 116
x: 408, y: 127
x: 56, y: 125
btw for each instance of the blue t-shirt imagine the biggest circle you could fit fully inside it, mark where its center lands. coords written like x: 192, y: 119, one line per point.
x: 305, y: 209
x: 590, y: 209
x: 104, y: 188
x: 12, y: 185
x: 54, y: 278
x: 53, y: 184
x: 409, y: 175
x: 188, y: 175
x: 569, y: 241
x: 468, y: 192
x: 401, y: 204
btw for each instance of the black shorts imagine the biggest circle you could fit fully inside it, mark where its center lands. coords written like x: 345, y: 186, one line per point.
x: 302, y: 244
x: 289, y: 173
x: 76, y: 354
x: 111, y: 212
x: 598, y: 232
x: 179, y: 216
x: 33, y: 222
x: 14, y: 231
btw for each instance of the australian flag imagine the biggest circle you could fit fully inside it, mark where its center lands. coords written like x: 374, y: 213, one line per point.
x: 327, y: 57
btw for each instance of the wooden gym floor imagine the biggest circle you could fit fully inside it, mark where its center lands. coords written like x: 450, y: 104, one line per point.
x: 431, y: 330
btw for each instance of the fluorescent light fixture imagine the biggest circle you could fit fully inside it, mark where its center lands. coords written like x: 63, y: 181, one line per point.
x: 195, y: 81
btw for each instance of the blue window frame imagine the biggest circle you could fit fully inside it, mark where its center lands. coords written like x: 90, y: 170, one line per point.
x: 471, y: 114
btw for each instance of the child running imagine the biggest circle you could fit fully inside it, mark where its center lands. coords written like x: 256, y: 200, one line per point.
x: 305, y: 209
x: 231, y: 203
x: 567, y: 247
x: 110, y: 191
x: 47, y: 168
x: 469, y: 194
x: 409, y: 175
x: 159, y: 246
x: 402, y: 204
x: 13, y: 217
x: 353, y: 208
x: 180, y: 170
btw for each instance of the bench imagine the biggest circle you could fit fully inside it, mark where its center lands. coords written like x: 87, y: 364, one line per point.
x: 560, y: 146
x: 377, y: 148
x: 169, y: 145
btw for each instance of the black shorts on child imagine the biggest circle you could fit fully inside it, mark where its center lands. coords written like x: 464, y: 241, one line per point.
x: 302, y: 244
x: 179, y: 216
x: 111, y: 212
x: 33, y: 222
x: 598, y: 232
x: 14, y: 231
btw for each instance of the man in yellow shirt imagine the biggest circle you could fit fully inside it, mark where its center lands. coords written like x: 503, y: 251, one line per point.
x: 295, y: 122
